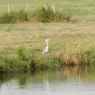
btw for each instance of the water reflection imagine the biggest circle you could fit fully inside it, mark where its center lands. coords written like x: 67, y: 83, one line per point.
x: 47, y: 81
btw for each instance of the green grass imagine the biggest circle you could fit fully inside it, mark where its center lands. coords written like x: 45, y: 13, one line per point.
x: 72, y: 42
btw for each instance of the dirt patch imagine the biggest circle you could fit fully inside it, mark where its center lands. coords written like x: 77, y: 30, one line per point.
x: 93, y: 20
x: 60, y: 30
x: 73, y: 21
x: 32, y: 23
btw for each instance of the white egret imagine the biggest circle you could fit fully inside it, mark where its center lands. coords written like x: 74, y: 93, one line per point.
x: 45, y: 50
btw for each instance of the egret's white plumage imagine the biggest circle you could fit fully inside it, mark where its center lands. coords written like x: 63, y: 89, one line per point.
x: 45, y: 50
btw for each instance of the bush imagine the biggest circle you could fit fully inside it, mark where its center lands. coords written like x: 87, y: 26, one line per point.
x: 22, y: 16
x: 8, y: 18
x: 60, y: 16
x: 48, y: 15
x: 42, y: 14
x: 14, y: 17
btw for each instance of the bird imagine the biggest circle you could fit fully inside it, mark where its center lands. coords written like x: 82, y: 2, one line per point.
x: 45, y: 50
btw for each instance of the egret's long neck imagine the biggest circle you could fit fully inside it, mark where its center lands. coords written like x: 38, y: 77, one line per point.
x: 47, y: 44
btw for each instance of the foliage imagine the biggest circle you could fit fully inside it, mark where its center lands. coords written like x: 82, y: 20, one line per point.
x: 41, y: 14
x: 22, y: 16
x: 89, y: 57
x: 8, y: 17
x: 15, y: 64
x: 21, y: 53
x: 60, y: 16
x: 48, y: 15
x: 44, y: 15
x: 23, y: 63
x: 13, y: 17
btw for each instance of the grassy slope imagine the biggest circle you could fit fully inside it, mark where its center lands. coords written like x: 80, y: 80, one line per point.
x: 77, y: 35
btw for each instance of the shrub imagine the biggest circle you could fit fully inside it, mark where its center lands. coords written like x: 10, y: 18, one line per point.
x: 8, y: 17
x: 14, y: 17
x: 22, y: 16
x: 47, y: 15
x: 42, y: 14
x: 60, y: 16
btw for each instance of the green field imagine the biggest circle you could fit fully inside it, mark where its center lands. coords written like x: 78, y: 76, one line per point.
x: 68, y: 40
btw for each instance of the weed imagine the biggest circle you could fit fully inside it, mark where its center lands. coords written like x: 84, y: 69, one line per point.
x: 14, y: 17
x: 21, y: 53
x: 44, y: 14
x: 48, y: 15
x: 22, y: 16
x: 88, y: 57
x: 22, y: 63
x: 41, y: 14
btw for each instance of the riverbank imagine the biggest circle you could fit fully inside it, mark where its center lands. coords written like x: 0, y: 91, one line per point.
x: 24, y: 63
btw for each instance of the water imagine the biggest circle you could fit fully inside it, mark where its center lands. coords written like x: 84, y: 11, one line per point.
x: 61, y: 81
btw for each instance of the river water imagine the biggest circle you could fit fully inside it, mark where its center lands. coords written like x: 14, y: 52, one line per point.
x: 78, y: 80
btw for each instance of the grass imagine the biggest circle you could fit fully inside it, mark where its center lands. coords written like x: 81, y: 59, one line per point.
x: 43, y: 14
x: 13, y: 17
x: 71, y: 42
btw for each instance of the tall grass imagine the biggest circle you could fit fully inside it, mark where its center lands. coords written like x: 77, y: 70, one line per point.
x: 49, y: 15
x: 13, y: 17
x: 78, y: 57
x: 24, y: 63
x: 42, y: 14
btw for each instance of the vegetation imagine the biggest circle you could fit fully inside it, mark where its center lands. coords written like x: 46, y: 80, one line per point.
x: 72, y: 42
x: 42, y: 14
x: 23, y: 63
x: 13, y: 17
x: 48, y: 15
